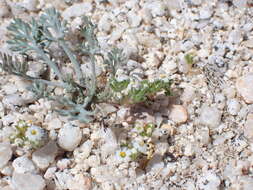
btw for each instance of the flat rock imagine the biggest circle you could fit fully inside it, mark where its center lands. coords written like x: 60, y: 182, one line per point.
x: 178, y: 114
x: 76, y: 10
x: 5, y: 153
x: 245, y: 88
x: 210, y: 116
x: 27, y: 181
x: 23, y: 164
x: 44, y: 156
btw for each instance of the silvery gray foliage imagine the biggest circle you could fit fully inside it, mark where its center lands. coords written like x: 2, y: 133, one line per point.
x: 36, y: 37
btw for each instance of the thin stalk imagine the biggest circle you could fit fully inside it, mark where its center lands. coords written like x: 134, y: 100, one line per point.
x: 49, y: 62
x: 73, y: 59
x: 47, y: 82
x: 93, y: 82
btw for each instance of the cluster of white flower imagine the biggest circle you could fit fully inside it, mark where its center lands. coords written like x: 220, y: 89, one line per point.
x: 139, y: 145
x: 27, y: 134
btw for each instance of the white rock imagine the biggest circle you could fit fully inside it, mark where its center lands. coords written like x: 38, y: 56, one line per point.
x: 210, y: 116
x: 10, y: 88
x: 157, y: 8
x: 248, y: 127
x: 4, y: 9
x: 235, y: 36
x: 85, y: 149
x: 196, y: 2
x: 178, y: 114
x: 7, y: 170
x: 134, y: 19
x: 188, y: 94
x: 244, y: 87
x: 54, y: 124
x: 13, y: 100
x: 78, y: 181
x: 240, y: 3
x: 69, y: 137
x: 63, y: 163
x: 49, y: 174
x: 2, y: 110
x: 205, y: 13
x: 233, y: 106
x: 44, y: 156
x: 78, y: 9
x: 169, y: 66
x: 93, y: 161
x: 30, y: 5
x: 5, y: 153
x: 107, y: 186
x: 104, y: 23
x: 27, y: 181
x: 209, y: 181
x: 23, y: 165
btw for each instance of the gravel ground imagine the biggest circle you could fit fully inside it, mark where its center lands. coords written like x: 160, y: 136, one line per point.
x: 203, y: 134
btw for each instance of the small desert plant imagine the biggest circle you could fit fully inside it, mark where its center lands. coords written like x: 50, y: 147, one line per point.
x: 28, y: 135
x: 81, y: 91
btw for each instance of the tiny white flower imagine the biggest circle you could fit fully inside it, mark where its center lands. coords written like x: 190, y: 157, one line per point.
x: 34, y: 133
x: 140, y: 146
x: 123, y: 155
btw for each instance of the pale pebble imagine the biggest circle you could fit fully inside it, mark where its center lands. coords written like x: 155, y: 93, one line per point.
x: 27, y: 181
x: 69, y: 137
x: 23, y: 165
x: 54, y: 124
x: 13, y: 100
x: 4, y: 9
x: 134, y: 19
x: 178, y: 114
x: 44, y: 156
x: 233, y: 106
x: 244, y: 87
x: 78, y: 9
x: 5, y: 153
x: 210, y: 116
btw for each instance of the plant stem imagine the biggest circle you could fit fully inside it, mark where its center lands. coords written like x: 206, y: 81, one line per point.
x: 49, y: 62
x: 73, y: 60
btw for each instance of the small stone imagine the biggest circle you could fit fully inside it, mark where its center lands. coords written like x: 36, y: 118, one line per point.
x: 240, y: 3
x: 134, y: 19
x: 188, y: 94
x: 245, y: 88
x: 209, y: 181
x: 5, y: 153
x: 157, y: 8
x: 178, y: 114
x: 44, y: 156
x: 30, y: 5
x: 69, y: 137
x: 210, y: 116
x: 4, y: 9
x: 77, y: 10
x: 10, y: 88
x: 149, y: 40
x: 248, y: 127
x: 54, y: 124
x: 49, y: 174
x: 80, y: 182
x: 104, y: 23
x: 233, y: 106
x: 63, y: 163
x: 27, y: 181
x: 235, y: 36
x: 13, y: 100
x: 23, y: 165
x: 169, y: 66
x: 205, y: 13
